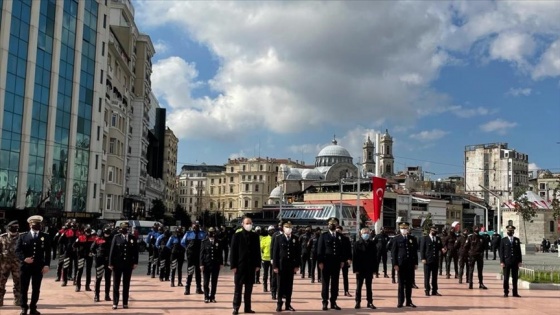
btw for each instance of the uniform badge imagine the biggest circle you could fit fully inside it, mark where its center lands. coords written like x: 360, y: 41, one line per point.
x: 216, y: 244
x: 42, y: 238
x: 339, y: 237
x: 481, y: 240
x: 131, y: 241
x: 466, y: 241
x: 410, y: 241
x: 294, y: 240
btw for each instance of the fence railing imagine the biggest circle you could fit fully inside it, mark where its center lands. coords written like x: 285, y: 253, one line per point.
x: 540, y: 273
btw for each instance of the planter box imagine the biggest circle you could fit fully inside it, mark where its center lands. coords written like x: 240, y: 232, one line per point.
x: 526, y: 285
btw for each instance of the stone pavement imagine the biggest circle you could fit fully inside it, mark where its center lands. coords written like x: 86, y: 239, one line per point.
x: 150, y: 296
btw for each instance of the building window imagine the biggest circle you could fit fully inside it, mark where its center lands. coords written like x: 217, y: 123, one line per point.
x: 260, y: 167
x: 114, y: 120
x: 260, y: 177
x: 112, y: 145
x: 109, y: 202
x: 231, y: 179
x: 231, y: 189
x: 110, y: 171
x: 256, y: 203
x: 231, y: 169
x: 212, y: 181
x: 256, y: 187
x: 230, y: 204
x: 244, y: 167
x: 551, y: 226
x: 246, y: 203
x: 246, y: 187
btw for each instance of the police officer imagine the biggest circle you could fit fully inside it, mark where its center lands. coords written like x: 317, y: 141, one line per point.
x: 100, y: 250
x: 59, y: 248
x: 475, y: 245
x: 9, y: 262
x: 305, y: 241
x: 381, y: 241
x: 364, y: 261
x: 266, y: 256
x: 430, y: 252
x: 151, y: 241
x: 405, y: 260
x: 274, y: 276
x: 510, y: 259
x: 211, y: 261
x: 67, y: 254
x: 463, y: 255
x: 123, y: 258
x: 313, y: 249
x: 82, y: 248
x: 164, y: 255
x: 286, y: 261
x: 34, y: 252
x: 450, y: 252
x: 192, y: 242
x: 347, y: 253
x: 177, y: 256
x: 331, y: 258
x: 496, y: 241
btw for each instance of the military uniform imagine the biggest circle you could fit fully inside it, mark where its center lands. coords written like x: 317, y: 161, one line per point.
x: 34, y: 252
x: 430, y: 253
x: 405, y: 257
x: 59, y: 249
x: 510, y: 260
x: 100, y: 249
x: 211, y: 260
x: 450, y: 254
x: 286, y: 260
x: 331, y: 256
x: 68, y: 254
x: 177, y: 256
x: 9, y: 262
x: 123, y: 258
x: 381, y: 241
x: 305, y: 241
x: 274, y: 277
x: 475, y: 245
x: 364, y: 265
x: 314, y: 240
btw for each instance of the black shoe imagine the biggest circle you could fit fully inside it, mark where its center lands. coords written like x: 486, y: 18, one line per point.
x: 34, y: 312
x: 460, y: 281
x: 199, y: 291
x: 385, y: 276
x: 153, y: 275
x: 179, y: 284
x: 125, y: 306
x: 427, y: 293
x: 249, y: 312
x: 482, y: 286
x: 505, y: 295
x: 312, y: 280
x: 114, y: 307
x: 64, y: 283
x: 88, y: 288
x: 371, y: 306
x: 410, y: 305
x: 257, y: 282
x: 447, y: 276
x: 57, y: 280
x: 290, y: 308
x: 436, y: 294
x: 347, y: 294
x: 414, y: 286
x: 235, y: 312
x: 393, y: 281
x: 377, y: 275
x: 335, y: 307
x: 456, y: 276
x: 206, y: 301
x: 516, y: 295
x: 187, y: 291
x: 213, y: 300
x: 357, y: 306
x: 325, y: 307
x: 172, y: 284
x: 107, y: 298
x: 399, y: 305
x: 96, y: 298
x: 77, y: 289
x: 274, y: 295
x: 278, y: 308
x: 470, y: 286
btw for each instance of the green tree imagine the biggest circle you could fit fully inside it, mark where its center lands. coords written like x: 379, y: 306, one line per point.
x: 180, y: 214
x: 524, y: 208
x: 556, y: 203
x: 158, y: 209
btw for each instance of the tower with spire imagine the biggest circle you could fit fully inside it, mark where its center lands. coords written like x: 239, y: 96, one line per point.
x: 386, y: 159
x: 368, y: 156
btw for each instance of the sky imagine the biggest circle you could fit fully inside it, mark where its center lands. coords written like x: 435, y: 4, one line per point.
x: 280, y: 79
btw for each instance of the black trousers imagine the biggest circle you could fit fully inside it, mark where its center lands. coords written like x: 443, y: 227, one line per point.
x: 81, y: 266
x: 285, y: 286
x: 345, y: 277
x: 60, y: 266
x: 273, y: 282
x: 267, y: 270
x: 463, y: 262
x: 431, y: 276
x: 479, y: 260
x: 305, y: 263
x: 86, y: 263
x: 155, y: 262
x: 441, y: 259
x: 211, y: 275
x: 494, y: 250
x: 150, y: 251
x: 177, y: 262
x: 406, y: 279
x: 124, y: 273
x: 193, y: 268
x: 330, y: 279
x: 451, y: 257
x: 382, y: 258
x: 164, y: 264
x: 243, y: 279
x: 513, y: 270
x: 226, y: 252
x: 362, y: 278
x: 102, y: 271
x: 30, y: 273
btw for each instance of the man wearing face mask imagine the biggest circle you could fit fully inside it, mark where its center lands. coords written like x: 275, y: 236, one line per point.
x: 100, y: 250
x: 245, y: 261
x: 177, y: 256
x: 266, y: 255
x: 450, y: 253
x: 364, y: 258
x: 274, y: 277
x: 34, y: 252
x: 123, y: 258
x: 313, y: 249
x: 85, y: 260
x: 475, y: 245
x: 286, y: 253
x: 510, y: 260
x: 211, y: 261
x: 191, y: 242
x: 405, y: 260
x: 381, y: 241
x: 331, y: 258
x: 430, y: 252
x: 9, y: 263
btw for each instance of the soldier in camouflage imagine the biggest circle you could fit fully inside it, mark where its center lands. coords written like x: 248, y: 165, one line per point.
x: 9, y: 263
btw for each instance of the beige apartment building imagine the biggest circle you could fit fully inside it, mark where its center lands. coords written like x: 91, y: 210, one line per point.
x: 170, y: 169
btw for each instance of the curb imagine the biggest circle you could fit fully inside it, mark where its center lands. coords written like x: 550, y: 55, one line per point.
x: 526, y: 285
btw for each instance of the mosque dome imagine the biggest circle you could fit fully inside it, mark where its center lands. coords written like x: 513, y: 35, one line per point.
x: 333, y: 154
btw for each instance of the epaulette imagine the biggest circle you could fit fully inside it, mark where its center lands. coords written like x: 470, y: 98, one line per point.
x: 3, y: 234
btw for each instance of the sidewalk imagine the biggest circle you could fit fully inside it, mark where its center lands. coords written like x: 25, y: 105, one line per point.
x: 150, y: 296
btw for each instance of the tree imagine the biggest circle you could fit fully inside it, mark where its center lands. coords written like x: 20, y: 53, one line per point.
x: 211, y: 218
x: 180, y: 214
x: 556, y: 203
x: 524, y: 208
x: 158, y: 209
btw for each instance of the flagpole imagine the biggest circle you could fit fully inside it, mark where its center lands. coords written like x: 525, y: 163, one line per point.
x: 358, y: 201
x: 377, y: 224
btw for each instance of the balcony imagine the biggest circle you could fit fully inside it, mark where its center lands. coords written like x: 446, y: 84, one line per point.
x: 102, y: 186
x: 105, y: 126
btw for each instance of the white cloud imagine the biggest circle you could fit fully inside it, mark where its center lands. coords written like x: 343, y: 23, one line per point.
x: 161, y: 47
x: 549, y: 65
x: 519, y: 92
x: 467, y: 112
x: 514, y: 47
x: 429, y: 135
x: 498, y: 125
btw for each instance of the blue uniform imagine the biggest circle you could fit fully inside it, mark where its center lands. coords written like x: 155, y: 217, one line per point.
x: 152, y: 251
x: 192, y: 242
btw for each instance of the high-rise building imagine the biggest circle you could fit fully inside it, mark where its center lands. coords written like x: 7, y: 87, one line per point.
x: 170, y: 169
x: 52, y: 59
x: 192, y: 194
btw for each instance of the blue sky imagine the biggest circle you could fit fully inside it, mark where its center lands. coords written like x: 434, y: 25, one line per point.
x: 279, y: 79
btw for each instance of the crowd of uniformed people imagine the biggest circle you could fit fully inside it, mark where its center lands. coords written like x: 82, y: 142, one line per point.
x: 271, y: 256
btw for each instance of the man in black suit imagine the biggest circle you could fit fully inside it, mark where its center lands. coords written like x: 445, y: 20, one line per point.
x: 404, y: 255
x: 364, y: 264
x: 430, y: 252
x: 34, y: 252
x: 330, y: 256
x: 245, y: 255
x: 510, y: 259
x: 286, y: 262
x: 211, y: 261
x: 123, y: 258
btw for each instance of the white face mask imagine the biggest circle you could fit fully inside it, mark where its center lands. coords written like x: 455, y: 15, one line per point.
x: 404, y: 231
x: 248, y: 227
x: 287, y: 231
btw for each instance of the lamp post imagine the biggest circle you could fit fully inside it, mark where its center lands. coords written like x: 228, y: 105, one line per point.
x: 485, y: 211
x: 499, y: 223
x: 358, y: 201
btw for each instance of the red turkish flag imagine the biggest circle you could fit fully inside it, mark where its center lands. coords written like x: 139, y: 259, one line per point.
x: 379, y: 184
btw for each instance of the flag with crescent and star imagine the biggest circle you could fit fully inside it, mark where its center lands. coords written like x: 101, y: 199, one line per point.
x: 379, y: 184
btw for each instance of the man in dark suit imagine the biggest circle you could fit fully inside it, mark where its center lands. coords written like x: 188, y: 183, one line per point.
x: 510, y: 259
x: 381, y: 241
x: 405, y: 260
x: 430, y: 252
x: 475, y: 246
x: 123, y: 258
x: 364, y: 264
x: 330, y: 256
x: 211, y: 261
x: 34, y: 252
x: 245, y: 255
x: 286, y: 262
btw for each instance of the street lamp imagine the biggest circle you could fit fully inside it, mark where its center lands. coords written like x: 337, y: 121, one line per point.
x: 485, y: 211
x: 499, y: 223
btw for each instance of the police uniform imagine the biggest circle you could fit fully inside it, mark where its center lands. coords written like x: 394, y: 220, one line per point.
x: 123, y: 258
x: 34, y: 252
x: 177, y: 256
x: 463, y: 256
x: 9, y: 263
x: 451, y: 256
x: 330, y: 255
x: 405, y: 260
x: 286, y: 262
x: 67, y: 254
x: 430, y: 253
x: 192, y: 241
x: 475, y: 245
x: 510, y: 259
x: 100, y: 249
x: 211, y: 260
x: 82, y: 248
x: 364, y: 265
x: 151, y: 241
x: 381, y: 241
x: 164, y: 255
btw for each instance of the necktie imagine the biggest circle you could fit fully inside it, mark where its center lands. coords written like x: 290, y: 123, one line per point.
x: 511, y: 240
x: 34, y: 235
x: 433, y: 239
